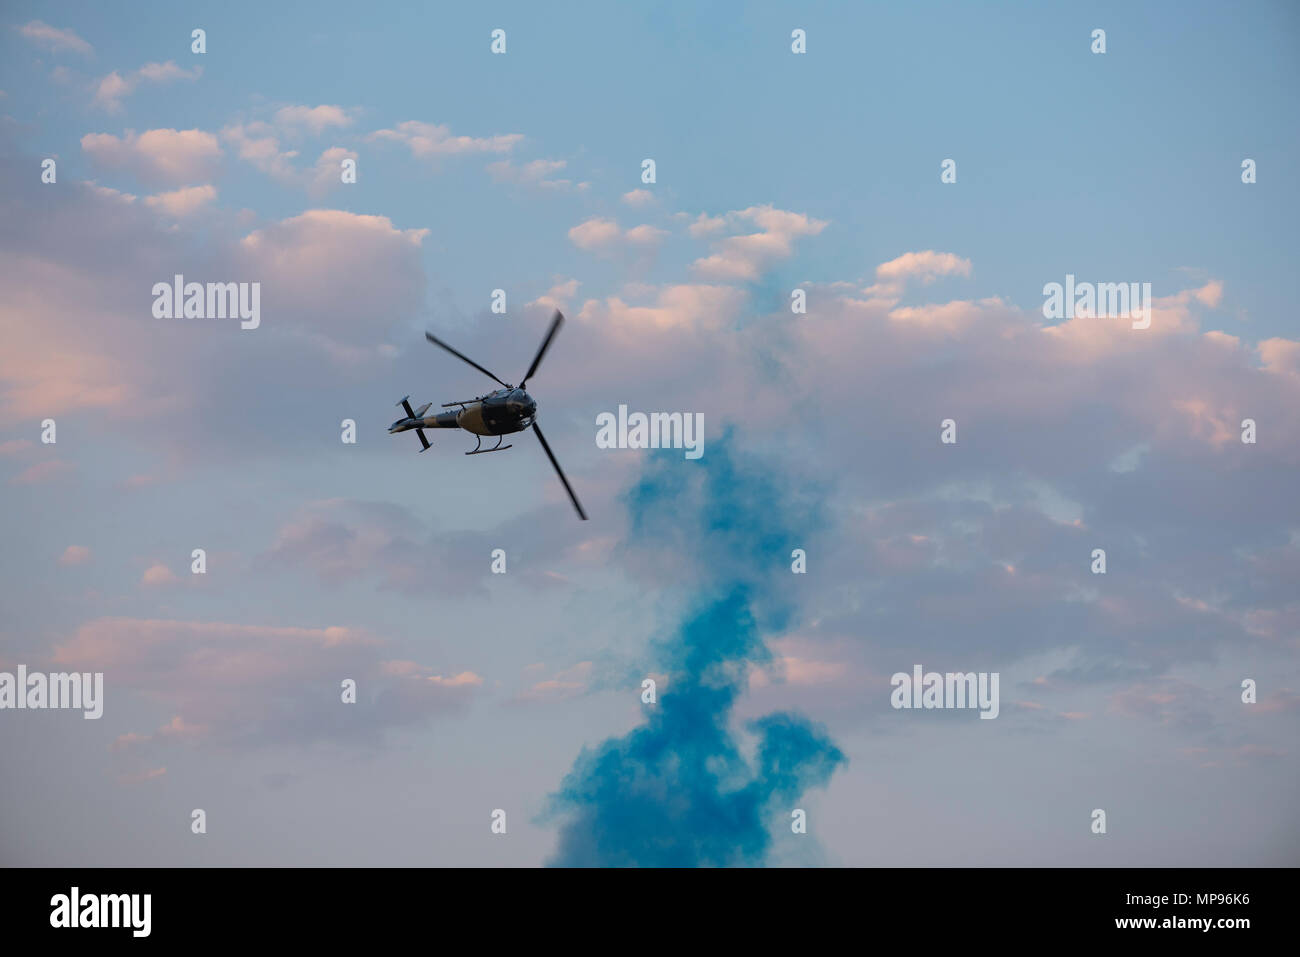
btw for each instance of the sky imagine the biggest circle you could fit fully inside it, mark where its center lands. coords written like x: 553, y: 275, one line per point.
x: 523, y: 692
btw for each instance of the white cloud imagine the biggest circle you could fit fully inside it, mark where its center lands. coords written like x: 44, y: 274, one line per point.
x: 257, y: 143
x: 113, y: 88
x: 426, y: 140
x: 317, y: 119
x: 747, y: 256
x: 174, y: 157
x: 559, y: 295
x: 678, y: 306
x: 54, y: 38
x: 536, y: 173
x: 605, y: 235
x: 328, y: 171
x: 182, y: 202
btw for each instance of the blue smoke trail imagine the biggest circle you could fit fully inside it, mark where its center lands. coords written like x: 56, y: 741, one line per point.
x: 678, y: 792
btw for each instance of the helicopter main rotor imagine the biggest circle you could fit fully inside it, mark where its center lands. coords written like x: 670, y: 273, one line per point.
x: 556, y: 321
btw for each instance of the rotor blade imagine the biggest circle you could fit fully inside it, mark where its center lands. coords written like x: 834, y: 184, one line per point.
x: 438, y: 342
x: 556, y: 321
x: 560, y: 472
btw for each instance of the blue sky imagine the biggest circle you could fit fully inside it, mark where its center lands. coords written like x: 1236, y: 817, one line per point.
x: 1111, y: 157
x: 774, y: 171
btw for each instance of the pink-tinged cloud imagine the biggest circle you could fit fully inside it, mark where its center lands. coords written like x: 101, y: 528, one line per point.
x: 328, y: 171
x: 596, y: 234
x: 75, y: 555
x: 43, y: 473
x: 569, y: 683
x: 538, y: 173
x: 925, y: 266
x: 945, y: 318
x: 113, y: 88
x: 431, y: 140
x: 606, y: 236
x: 258, y: 143
x: 559, y: 295
x: 158, y: 574
x: 308, y: 266
x: 129, y: 740
x: 139, y: 777
x: 162, y: 156
x: 317, y: 119
x: 706, y: 225
x: 1280, y: 356
x: 746, y: 257
x: 893, y: 277
x: 182, y: 202
x: 638, y: 197
x: 43, y: 371
x: 1281, y: 701
x: 55, y: 39
x: 688, y: 305
x: 645, y: 235
x: 178, y: 727
x: 231, y: 684
x: 802, y: 672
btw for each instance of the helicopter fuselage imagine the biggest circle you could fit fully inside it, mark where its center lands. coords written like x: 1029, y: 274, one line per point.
x: 502, y: 412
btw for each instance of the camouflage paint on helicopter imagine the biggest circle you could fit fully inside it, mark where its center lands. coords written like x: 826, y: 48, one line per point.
x: 503, y: 412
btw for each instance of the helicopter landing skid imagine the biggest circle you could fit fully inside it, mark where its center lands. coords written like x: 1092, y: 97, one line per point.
x: 496, y: 448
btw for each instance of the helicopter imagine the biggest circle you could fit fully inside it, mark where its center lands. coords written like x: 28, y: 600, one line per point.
x: 503, y: 412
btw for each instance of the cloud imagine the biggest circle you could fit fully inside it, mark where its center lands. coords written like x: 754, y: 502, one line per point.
x: 536, y: 173
x: 559, y: 295
x: 229, y: 684
x: 53, y: 38
x: 75, y: 555
x: 678, y: 791
x: 638, y: 197
x: 705, y: 225
x: 258, y: 143
x: 925, y: 266
x: 595, y: 234
x: 427, y: 140
x: 683, y: 305
x: 43, y: 473
x: 113, y: 88
x: 644, y: 235
x: 317, y: 119
x: 80, y: 338
x: 1280, y: 356
x: 745, y: 257
x: 566, y: 684
x: 158, y: 574
x: 308, y: 265
x: 605, y: 235
x: 163, y: 156
x: 182, y: 202
x: 345, y: 542
x: 328, y: 171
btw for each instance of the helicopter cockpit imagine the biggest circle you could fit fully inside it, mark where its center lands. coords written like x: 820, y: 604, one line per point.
x: 514, y: 406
